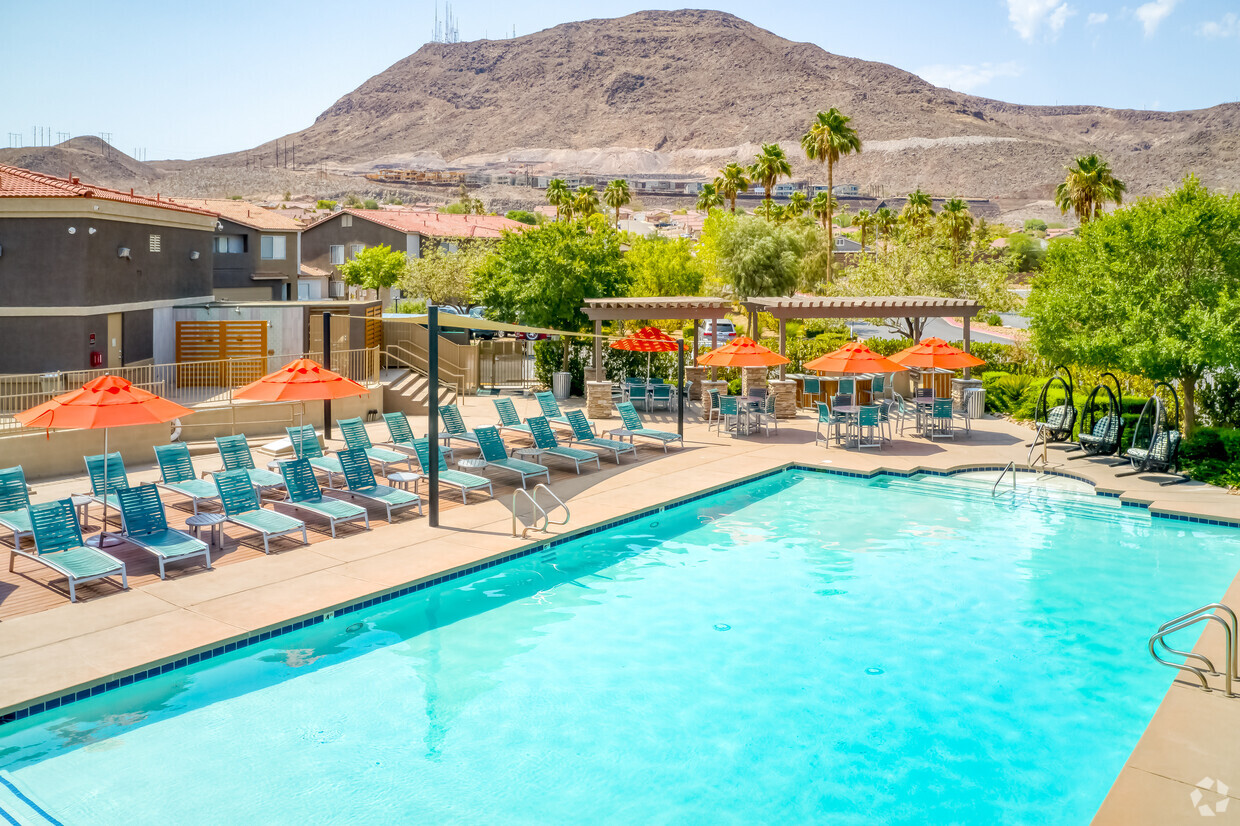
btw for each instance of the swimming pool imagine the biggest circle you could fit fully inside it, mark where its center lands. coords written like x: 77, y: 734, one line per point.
x: 803, y: 648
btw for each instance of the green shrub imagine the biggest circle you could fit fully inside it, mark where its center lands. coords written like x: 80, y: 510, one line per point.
x: 1035, y: 225
x: 1205, y: 443
x: 1212, y: 456
x: 734, y: 387
x: 523, y: 216
x: 993, y: 320
x: 1219, y: 398
x: 370, y: 203
x: 328, y: 205
x: 410, y: 306
x: 456, y: 209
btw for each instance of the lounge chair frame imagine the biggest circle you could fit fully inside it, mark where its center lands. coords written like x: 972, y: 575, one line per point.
x: 305, y: 495
x: 633, y: 426
x: 15, y: 503
x: 545, y: 440
x: 58, y: 545
x: 144, y: 523
x: 583, y: 434
x: 359, y: 476
x: 464, y: 482
x: 495, y: 454
x: 355, y: 436
x: 177, y: 475
x: 242, y: 507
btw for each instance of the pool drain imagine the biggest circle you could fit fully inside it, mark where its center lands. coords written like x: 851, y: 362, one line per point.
x: 722, y: 626
x: 354, y: 628
x: 873, y: 671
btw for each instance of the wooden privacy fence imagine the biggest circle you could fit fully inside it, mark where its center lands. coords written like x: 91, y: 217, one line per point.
x: 205, y: 349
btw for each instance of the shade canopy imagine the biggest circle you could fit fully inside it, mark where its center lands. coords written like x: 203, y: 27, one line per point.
x: 108, y: 401
x: 854, y: 357
x: 302, y: 380
x: 742, y: 352
x: 936, y: 354
x: 647, y: 340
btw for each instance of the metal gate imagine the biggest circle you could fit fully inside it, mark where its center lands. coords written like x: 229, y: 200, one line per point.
x: 505, y: 363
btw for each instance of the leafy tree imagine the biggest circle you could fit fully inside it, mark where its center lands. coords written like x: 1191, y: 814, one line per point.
x: 353, y: 202
x: 328, y: 205
x: 287, y: 195
x: 918, y: 210
x: 460, y: 208
x: 918, y: 265
x: 828, y: 139
x: 957, y: 222
x: 798, y: 202
x: 732, y: 180
x: 523, y: 216
x: 822, y: 206
x: 543, y: 276
x: 586, y: 203
x: 770, y: 210
x: 1088, y: 187
x: 558, y: 195
x: 664, y: 267
x: 444, y: 277
x: 376, y: 268
x: 1035, y: 225
x: 760, y: 258
x: 884, y: 223
x: 709, y: 197
x: 616, y: 194
x: 1025, y: 253
x: 864, y: 221
x: 1152, y: 289
x: 370, y: 203
x: 768, y: 167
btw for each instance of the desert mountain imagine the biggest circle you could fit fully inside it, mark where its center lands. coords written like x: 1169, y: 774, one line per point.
x: 88, y: 157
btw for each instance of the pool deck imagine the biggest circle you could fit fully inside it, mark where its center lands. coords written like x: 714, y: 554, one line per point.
x: 49, y: 646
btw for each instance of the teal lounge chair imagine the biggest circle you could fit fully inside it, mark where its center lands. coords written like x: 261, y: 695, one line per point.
x: 356, y: 438
x: 117, y: 478
x: 454, y: 425
x: 235, y: 453
x: 634, y: 427
x: 360, y: 478
x: 58, y: 545
x: 551, y: 408
x: 402, y: 434
x: 306, y: 446
x: 145, y: 524
x: 241, y: 507
x: 304, y: 494
x: 545, y: 439
x: 496, y: 455
x: 508, y: 418
x: 176, y: 470
x: 582, y: 434
x: 465, y: 482
x: 15, y: 503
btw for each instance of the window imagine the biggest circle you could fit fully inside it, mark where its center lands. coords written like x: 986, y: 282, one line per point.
x: 346, y: 221
x: 274, y: 247
x: 337, y: 254
x: 155, y: 242
x: 229, y: 244
x: 354, y: 249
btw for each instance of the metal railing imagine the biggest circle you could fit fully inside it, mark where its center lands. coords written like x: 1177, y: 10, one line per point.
x: 994, y: 490
x: 449, y: 379
x: 1040, y: 437
x: 506, y: 363
x: 1203, y: 614
x: 537, y: 510
x: 191, y: 383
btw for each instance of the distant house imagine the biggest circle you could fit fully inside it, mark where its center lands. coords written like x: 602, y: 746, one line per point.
x: 847, y: 246
x: 339, y: 237
x: 84, y: 267
x: 257, y: 252
x: 852, y: 190
x: 782, y: 189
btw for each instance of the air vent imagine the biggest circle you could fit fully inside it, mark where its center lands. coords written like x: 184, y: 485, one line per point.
x: 155, y: 242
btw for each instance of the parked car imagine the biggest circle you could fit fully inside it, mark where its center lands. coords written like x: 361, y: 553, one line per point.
x: 485, y: 335
x: 727, y: 331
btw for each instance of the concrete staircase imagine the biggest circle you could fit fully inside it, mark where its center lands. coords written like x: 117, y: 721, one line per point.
x: 407, y: 391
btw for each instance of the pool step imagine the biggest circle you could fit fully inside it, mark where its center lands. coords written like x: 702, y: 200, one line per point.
x: 19, y: 806
x: 1025, y: 498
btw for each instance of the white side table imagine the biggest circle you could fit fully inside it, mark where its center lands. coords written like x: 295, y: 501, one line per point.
x: 214, y: 521
x: 530, y: 453
x: 471, y: 464
x: 403, y: 478
x: 81, y: 502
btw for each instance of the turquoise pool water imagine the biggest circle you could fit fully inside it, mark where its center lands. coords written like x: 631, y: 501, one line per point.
x: 803, y: 649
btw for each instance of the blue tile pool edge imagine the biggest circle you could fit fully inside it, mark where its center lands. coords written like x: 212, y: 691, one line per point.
x: 178, y: 661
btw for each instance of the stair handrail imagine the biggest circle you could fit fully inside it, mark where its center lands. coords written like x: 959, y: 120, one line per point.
x: 1039, y: 436
x: 449, y: 378
x: 1202, y: 614
x: 537, y: 510
x: 995, y: 487
x: 558, y: 503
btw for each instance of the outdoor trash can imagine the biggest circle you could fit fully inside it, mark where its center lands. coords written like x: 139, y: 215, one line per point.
x: 561, y: 384
x: 975, y: 402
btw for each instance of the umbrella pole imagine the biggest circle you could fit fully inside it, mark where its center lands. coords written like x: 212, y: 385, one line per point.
x: 103, y: 529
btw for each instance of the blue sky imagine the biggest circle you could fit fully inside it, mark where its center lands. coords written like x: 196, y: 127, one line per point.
x: 184, y: 80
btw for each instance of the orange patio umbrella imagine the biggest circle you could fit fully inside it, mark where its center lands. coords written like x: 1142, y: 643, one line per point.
x: 105, y: 402
x: 647, y: 340
x: 854, y: 357
x: 936, y: 354
x: 742, y: 352
x: 303, y: 380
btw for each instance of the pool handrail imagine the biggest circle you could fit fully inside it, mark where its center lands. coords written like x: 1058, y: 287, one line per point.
x: 1202, y: 614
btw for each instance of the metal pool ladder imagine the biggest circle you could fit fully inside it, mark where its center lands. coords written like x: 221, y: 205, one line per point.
x: 1205, y: 613
x: 538, y: 510
x: 994, y: 489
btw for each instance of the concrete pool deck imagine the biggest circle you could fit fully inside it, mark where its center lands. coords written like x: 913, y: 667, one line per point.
x: 49, y: 646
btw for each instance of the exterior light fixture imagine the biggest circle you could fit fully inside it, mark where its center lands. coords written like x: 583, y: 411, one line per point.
x: 193, y: 255
x: 91, y: 231
x: 72, y: 230
x: 122, y: 252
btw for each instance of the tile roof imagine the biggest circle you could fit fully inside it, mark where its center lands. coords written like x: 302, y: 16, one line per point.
x: 436, y: 224
x: 246, y: 214
x: 22, y: 183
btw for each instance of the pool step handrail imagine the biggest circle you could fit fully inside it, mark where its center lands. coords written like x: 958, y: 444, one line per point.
x: 538, y: 510
x: 1040, y: 437
x: 994, y: 490
x: 1205, y: 613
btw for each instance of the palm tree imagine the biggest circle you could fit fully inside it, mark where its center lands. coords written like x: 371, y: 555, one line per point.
x: 709, y: 197
x: 616, y: 194
x: 558, y: 194
x: 768, y: 167
x: 732, y: 180
x: 828, y: 139
x: 822, y: 206
x: 797, y: 204
x: 958, y: 222
x: 918, y: 210
x: 586, y: 202
x: 864, y: 220
x: 769, y: 210
x: 1088, y: 187
x: 884, y: 223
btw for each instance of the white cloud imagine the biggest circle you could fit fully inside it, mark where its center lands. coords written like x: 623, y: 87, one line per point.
x: 1096, y: 19
x: 1227, y: 27
x: 1154, y: 13
x: 1027, y: 16
x: 967, y: 77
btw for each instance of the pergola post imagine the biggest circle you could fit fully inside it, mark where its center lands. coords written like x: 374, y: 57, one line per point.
x: 968, y: 371
x: 599, y: 373
x: 783, y: 345
x: 714, y: 345
x: 695, y: 341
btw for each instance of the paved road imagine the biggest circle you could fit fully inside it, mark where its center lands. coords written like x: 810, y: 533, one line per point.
x: 934, y: 327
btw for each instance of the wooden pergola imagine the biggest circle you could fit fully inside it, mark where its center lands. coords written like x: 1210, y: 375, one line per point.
x: 909, y: 306
x: 676, y: 308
